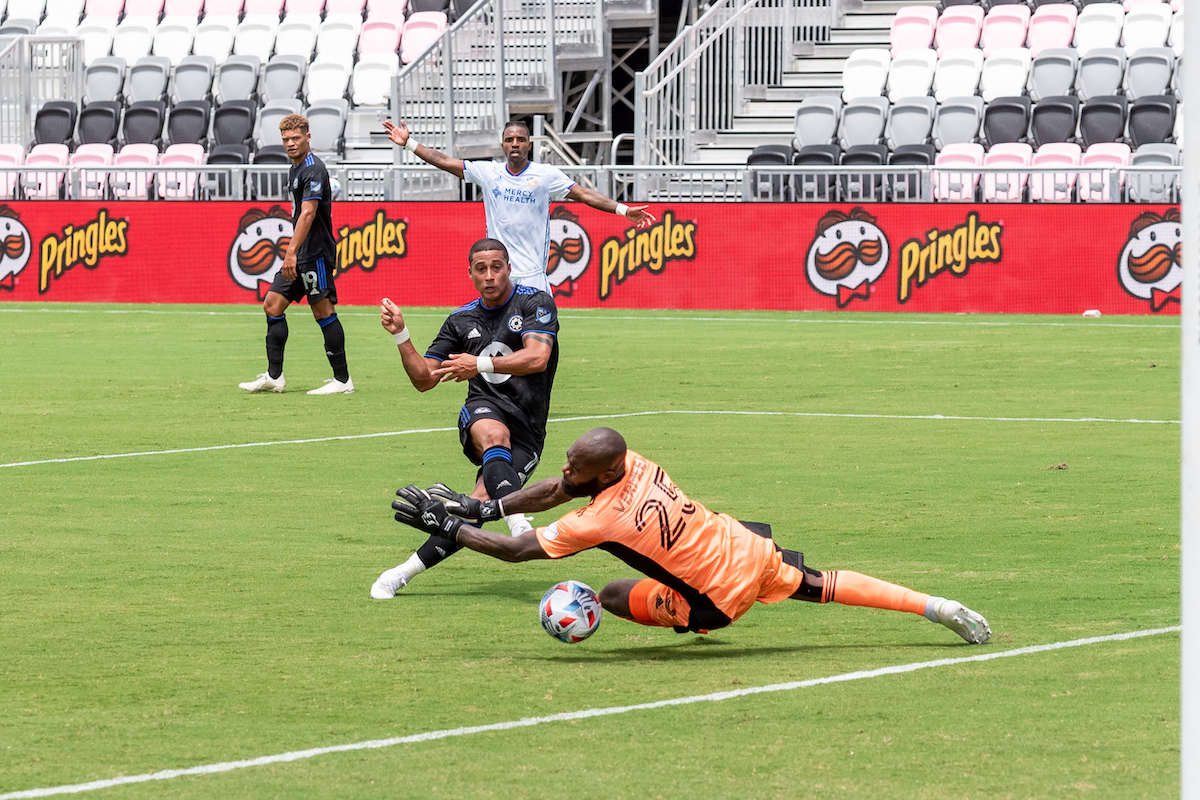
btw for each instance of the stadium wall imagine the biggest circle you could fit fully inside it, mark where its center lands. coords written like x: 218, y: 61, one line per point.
x: 1118, y: 259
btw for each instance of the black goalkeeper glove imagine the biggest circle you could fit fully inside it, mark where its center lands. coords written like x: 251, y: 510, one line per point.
x: 417, y: 509
x: 465, y: 506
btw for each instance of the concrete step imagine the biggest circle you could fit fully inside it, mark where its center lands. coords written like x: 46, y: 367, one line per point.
x: 761, y: 125
x: 769, y: 109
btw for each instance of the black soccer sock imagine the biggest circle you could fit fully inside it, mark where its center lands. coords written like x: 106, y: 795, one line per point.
x: 277, y: 334
x: 436, y: 550
x: 500, y: 477
x: 335, y: 346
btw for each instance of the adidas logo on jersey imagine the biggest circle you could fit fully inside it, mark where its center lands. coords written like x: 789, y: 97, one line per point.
x: 474, y: 334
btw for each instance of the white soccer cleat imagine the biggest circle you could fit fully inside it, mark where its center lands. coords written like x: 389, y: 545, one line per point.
x: 334, y: 386
x: 390, y: 582
x: 264, y: 383
x: 958, y: 618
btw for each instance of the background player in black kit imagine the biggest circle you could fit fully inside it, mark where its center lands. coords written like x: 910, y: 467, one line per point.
x: 307, y: 268
x: 505, y: 344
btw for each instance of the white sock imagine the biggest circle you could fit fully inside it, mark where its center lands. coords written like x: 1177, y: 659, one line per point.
x: 517, y: 524
x: 414, y: 566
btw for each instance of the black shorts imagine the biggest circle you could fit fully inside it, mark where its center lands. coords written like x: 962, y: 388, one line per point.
x: 525, y: 445
x: 314, y: 280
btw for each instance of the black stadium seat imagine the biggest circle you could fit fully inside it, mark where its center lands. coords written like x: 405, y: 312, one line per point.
x: 221, y: 184
x: 233, y: 122
x: 271, y: 185
x: 1006, y: 119
x: 811, y: 186
x: 188, y: 123
x: 908, y: 187
x: 1152, y: 120
x: 144, y: 123
x: 1054, y: 119
x: 767, y: 186
x: 55, y: 122
x: 1102, y: 119
x: 99, y: 122
x: 867, y: 187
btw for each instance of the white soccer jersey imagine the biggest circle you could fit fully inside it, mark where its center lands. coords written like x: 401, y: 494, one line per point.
x: 518, y: 212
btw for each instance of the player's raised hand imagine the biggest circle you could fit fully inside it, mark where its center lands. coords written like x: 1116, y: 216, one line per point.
x: 465, y: 506
x: 397, y: 133
x: 418, y: 510
x: 639, y: 216
x: 390, y: 317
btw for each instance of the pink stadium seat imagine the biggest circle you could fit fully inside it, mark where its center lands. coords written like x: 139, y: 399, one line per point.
x: 344, y: 7
x: 1176, y: 6
x: 1054, y: 187
x: 1052, y: 26
x: 1007, y: 187
x: 379, y: 36
x: 1004, y: 26
x: 184, y: 8
x: 912, y: 27
x: 958, y: 28
x: 957, y: 186
x: 304, y: 6
x: 92, y: 183
x: 223, y: 8
x: 45, y: 185
x: 103, y: 8
x: 180, y: 185
x: 392, y: 10
x: 422, y: 29
x: 133, y: 185
x: 270, y: 8
x: 143, y: 8
x: 11, y: 155
x: 1096, y: 186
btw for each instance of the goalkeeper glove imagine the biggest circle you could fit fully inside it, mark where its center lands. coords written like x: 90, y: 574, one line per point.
x: 418, y: 510
x: 462, y: 505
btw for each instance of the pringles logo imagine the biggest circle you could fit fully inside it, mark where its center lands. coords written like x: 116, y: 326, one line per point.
x: 1150, y: 265
x: 16, y: 246
x: 847, y: 255
x: 653, y: 248
x: 570, y: 251
x: 83, y: 244
x: 973, y: 242
x: 258, y: 250
x: 363, y: 245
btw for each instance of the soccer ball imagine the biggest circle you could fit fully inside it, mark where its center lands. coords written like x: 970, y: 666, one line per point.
x: 570, y: 611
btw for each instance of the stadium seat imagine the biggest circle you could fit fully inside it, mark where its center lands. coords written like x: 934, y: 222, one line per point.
x: 1054, y: 120
x: 1152, y: 120
x: 390, y: 10
x: 327, y: 78
x: 958, y: 28
x: 233, y: 122
x: 1102, y: 120
x: 223, y: 8
x: 99, y: 123
x: 420, y: 32
x: 265, y: 8
x: 957, y: 186
x: 256, y: 37
x: 27, y: 9
x: 1054, y: 187
x: 93, y: 184
x: 214, y: 37
x: 1005, y: 73
x: 1146, y: 26
x: 270, y: 185
x: 1053, y: 73
x: 865, y: 74
x: 817, y: 121
x: 910, y: 122
x: 143, y: 123
x: 418, y: 6
x: 45, y: 185
x: 266, y: 129
x: 1154, y: 187
x: 1100, y: 73
x: 1006, y: 120
x: 1098, y: 187
x: 911, y: 74
x: 863, y: 121
x: 103, y: 8
x: 957, y: 73
x: 56, y: 27
x: 326, y: 123
x: 1148, y: 72
x: 18, y: 27
x: 97, y: 34
x: 173, y: 39
x: 372, y: 79
x: 1129, y: 5
x: 1007, y: 187
x: 1179, y: 130
x: 770, y: 187
x: 179, y: 185
x: 148, y: 9
x: 913, y: 29
x: 11, y: 155
x: 907, y: 188
x: 1004, y: 27
x: 865, y: 187
x: 183, y: 8
x: 1175, y: 37
x: 133, y: 39
x: 193, y: 79
x: 958, y: 121
x: 298, y: 35
x: 272, y: 154
x: 338, y: 35
x: 282, y: 78
x: 354, y: 7
x: 222, y: 184
x: 64, y: 9
x: 1098, y: 25
x: 379, y: 36
x: 103, y: 79
x: 291, y: 7
x: 236, y: 79
x: 811, y: 186
x: 1052, y: 27
x: 188, y: 123
x: 55, y: 123
x: 148, y: 79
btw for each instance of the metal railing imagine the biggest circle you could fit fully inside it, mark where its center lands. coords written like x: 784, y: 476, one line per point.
x: 34, y: 69
x: 628, y: 184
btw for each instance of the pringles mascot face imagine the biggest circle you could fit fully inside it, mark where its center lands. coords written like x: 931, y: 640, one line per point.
x: 848, y: 254
x: 1150, y: 265
x: 570, y: 251
x: 15, y: 247
x: 258, y: 251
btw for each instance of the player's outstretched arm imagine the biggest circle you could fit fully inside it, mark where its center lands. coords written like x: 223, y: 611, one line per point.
x: 417, y: 509
x: 399, y: 134
x: 540, y: 496
x: 418, y: 368
x: 638, y: 215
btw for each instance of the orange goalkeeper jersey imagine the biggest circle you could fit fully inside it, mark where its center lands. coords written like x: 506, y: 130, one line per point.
x: 647, y: 522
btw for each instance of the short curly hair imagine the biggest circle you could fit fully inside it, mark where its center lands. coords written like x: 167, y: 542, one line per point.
x: 292, y: 122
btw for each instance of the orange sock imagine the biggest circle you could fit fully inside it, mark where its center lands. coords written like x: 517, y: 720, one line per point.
x: 855, y: 589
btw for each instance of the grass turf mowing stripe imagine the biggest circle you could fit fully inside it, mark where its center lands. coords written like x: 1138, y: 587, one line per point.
x: 375, y: 744
x: 350, y: 437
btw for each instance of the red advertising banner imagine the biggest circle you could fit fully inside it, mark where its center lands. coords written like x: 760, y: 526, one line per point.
x: 1118, y: 259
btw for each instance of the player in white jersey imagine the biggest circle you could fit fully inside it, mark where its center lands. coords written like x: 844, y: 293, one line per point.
x: 517, y: 195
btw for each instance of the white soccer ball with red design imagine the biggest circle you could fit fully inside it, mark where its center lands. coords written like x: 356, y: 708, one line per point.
x: 570, y: 611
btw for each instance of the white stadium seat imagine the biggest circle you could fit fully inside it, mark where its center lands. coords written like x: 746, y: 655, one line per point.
x: 957, y: 73
x: 214, y: 37
x: 327, y: 78
x: 297, y: 35
x: 372, y: 80
x: 865, y: 73
x: 1005, y: 73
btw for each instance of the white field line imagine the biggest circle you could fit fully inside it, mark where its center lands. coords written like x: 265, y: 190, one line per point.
x: 591, y: 417
x: 605, y: 314
x: 527, y: 722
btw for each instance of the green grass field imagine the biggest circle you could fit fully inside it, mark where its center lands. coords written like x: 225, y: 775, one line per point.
x: 172, y: 610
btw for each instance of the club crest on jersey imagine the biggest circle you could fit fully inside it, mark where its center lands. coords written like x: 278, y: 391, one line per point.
x: 314, y: 186
x: 482, y: 410
x: 544, y: 315
x: 474, y: 334
x: 296, y: 182
x: 515, y: 323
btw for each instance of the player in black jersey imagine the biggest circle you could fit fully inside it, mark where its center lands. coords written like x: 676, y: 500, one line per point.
x: 505, y: 345
x: 308, y: 268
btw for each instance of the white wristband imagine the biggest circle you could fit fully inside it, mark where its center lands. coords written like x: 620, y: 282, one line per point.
x: 621, y: 210
x: 484, y: 364
x: 402, y: 336
x: 411, y: 145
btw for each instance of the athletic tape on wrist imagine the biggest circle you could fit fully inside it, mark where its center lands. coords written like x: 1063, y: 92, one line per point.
x: 621, y: 210
x: 402, y: 336
x: 411, y: 145
x: 484, y: 364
